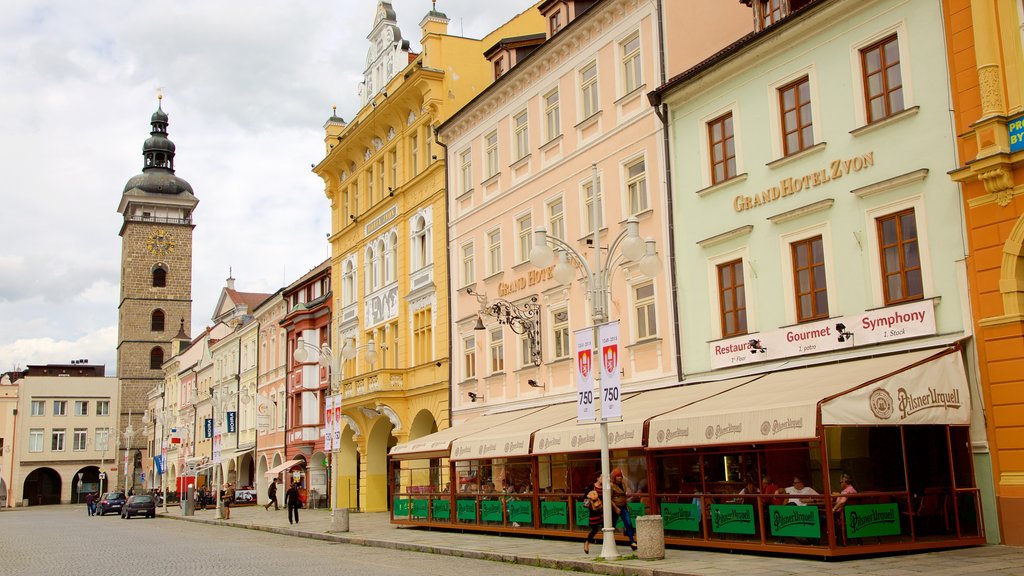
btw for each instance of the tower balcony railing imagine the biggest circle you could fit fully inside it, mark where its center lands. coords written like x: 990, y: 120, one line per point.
x: 161, y: 219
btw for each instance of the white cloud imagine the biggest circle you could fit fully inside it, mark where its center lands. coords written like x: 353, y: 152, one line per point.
x: 248, y: 88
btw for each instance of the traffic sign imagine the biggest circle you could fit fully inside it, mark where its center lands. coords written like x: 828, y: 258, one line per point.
x: 103, y: 475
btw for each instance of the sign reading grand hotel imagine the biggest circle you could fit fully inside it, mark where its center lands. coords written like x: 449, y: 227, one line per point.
x: 789, y: 186
x: 873, y: 327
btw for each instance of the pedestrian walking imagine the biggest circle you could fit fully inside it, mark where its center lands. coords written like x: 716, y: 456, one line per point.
x: 621, y: 508
x: 226, y: 498
x: 272, y: 496
x: 90, y: 503
x: 595, y: 505
x: 293, y: 502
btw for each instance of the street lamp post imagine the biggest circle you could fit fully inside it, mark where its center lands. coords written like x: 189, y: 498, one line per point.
x: 327, y: 357
x: 219, y: 402
x: 626, y: 246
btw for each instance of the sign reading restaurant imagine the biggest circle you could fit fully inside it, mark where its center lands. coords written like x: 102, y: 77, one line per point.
x: 791, y: 185
x: 872, y: 327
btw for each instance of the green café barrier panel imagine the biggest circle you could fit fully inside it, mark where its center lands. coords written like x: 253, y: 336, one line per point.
x: 636, y: 510
x: 490, y: 511
x: 401, y: 507
x: 419, y: 507
x: 582, y: 515
x: 796, y: 521
x: 520, y: 511
x: 442, y: 509
x: 465, y: 510
x: 684, y: 517
x: 554, y: 513
x: 733, y: 519
x: 867, y: 520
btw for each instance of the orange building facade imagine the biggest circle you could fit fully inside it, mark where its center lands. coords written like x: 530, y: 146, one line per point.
x: 987, y: 84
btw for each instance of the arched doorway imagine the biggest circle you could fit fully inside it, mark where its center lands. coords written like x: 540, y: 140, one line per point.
x: 246, y: 471
x: 426, y: 472
x: 348, y: 470
x: 89, y: 481
x: 378, y: 442
x: 41, y: 487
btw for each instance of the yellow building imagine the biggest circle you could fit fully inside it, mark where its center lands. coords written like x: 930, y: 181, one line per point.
x: 385, y: 178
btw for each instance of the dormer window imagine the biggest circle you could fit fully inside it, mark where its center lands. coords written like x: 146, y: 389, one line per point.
x: 499, y: 67
x: 555, y: 22
x: 771, y: 12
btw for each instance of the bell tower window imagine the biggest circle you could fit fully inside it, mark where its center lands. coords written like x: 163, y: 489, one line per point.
x: 156, y: 321
x: 159, y: 277
x: 156, y: 358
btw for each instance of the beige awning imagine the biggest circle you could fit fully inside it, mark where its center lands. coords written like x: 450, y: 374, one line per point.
x: 278, y: 469
x: 785, y: 405
x: 441, y: 440
x: 636, y: 409
x: 511, y: 438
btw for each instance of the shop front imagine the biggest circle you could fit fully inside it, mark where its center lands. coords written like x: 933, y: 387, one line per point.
x: 856, y: 457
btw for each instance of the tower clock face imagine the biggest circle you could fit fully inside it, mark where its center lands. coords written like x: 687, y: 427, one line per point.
x: 160, y: 242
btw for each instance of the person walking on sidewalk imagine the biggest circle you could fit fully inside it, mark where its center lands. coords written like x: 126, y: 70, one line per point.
x: 621, y: 508
x: 293, y: 502
x: 90, y: 503
x: 593, y: 503
x: 272, y: 496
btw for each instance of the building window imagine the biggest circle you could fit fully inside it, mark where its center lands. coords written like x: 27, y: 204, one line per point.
x: 81, y: 407
x: 491, y: 152
x: 156, y: 358
x: 555, y: 22
x: 156, y: 321
x: 525, y: 352
x: 723, y: 149
x: 883, y: 81
x: 646, y: 315
x: 809, y: 279
x: 393, y: 178
x: 420, y: 243
x: 521, y: 123
x: 771, y: 12
x: 497, y: 351
x: 102, y: 439
x: 103, y: 407
x: 588, y: 90
x: 466, y: 169
x: 560, y: 333
x: 159, y: 277
x: 469, y: 357
x: 556, y: 218
x: 78, y: 441
x: 414, y: 154
x: 588, y: 199
x: 60, y: 407
x: 380, y: 177
x: 732, y: 299
x: 499, y: 67
x: 57, y: 440
x: 38, y: 407
x: 795, y: 106
x: 494, y: 251
x: 348, y: 283
x: 35, y: 440
x: 552, y: 120
x: 422, y: 336
x: 901, y: 261
x: 631, y: 72
x: 636, y: 184
x: 468, y: 264
x: 524, y: 226
x: 391, y: 253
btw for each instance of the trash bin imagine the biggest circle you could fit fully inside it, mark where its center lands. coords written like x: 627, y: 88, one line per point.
x: 650, y: 538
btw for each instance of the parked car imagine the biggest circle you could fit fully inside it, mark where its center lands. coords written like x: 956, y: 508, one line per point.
x: 141, y: 505
x: 110, y: 502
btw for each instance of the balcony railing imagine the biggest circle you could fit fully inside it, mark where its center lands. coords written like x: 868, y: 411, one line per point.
x: 382, y: 380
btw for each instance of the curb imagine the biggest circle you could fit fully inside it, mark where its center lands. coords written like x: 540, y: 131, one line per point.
x: 599, y: 567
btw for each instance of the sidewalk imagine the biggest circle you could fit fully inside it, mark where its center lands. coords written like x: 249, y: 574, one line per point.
x: 375, y: 529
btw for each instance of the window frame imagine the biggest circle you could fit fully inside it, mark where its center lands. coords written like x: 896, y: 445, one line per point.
x: 631, y: 63
x: 636, y: 186
x: 103, y: 408
x: 857, y: 71
x: 556, y: 220
x: 81, y: 407
x: 491, y: 153
x: 645, y: 310
x: 466, y: 170
x: 157, y: 321
x: 79, y: 439
x: 561, y: 341
x: 494, y: 251
x: 496, y: 350
x: 36, y: 440
x: 552, y: 115
x: 815, y: 314
x: 739, y: 304
x: 159, y: 276
x: 468, y: 263
x: 524, y: 235
x: 469, y: 357
x: 800, y: 127
x: 104, y: 433
x: 586, y: 195
x: 60, y: 407
x: 41, y: 404
x: 725, y: 120
x: 903, y: 270
x: 58, y: 439
x: 521, y: 134
x: 590, y: 102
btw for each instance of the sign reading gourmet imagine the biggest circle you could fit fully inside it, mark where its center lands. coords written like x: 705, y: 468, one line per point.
x: 873, y: 327
x: 792, y: 185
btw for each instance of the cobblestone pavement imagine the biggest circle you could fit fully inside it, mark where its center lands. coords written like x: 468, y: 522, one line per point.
x: 63, y: 540
x: 267, y: 552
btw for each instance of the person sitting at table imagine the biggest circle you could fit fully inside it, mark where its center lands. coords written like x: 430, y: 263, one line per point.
x: 798, y: 489
x: 750, y: 487
x: 846, y: 483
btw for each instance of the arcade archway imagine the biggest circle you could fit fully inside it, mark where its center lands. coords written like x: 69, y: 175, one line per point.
x: 42, y: 486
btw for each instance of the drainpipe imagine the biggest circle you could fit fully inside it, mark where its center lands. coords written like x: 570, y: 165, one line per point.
x: 661, y: 110
x: 448, y: 271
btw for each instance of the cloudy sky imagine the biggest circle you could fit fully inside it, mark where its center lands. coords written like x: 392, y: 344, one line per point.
x: 248, y: 87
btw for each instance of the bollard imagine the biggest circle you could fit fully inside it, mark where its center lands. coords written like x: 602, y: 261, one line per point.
x: 339, y: 520
x: 650, y: 538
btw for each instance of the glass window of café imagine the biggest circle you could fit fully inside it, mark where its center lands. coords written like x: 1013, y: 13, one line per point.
x: 421, y: 489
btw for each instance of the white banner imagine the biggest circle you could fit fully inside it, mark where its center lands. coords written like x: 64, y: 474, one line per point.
x: 216, y: 444
x: 611, y: 402
x: 585, y: 375
x: 337, y: 421
x: 328, y: 431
